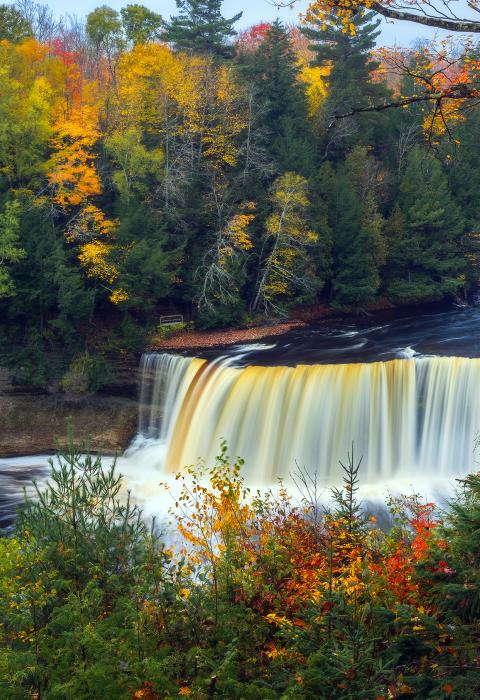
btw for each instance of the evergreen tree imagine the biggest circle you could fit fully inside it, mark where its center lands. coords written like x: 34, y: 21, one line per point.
x: 464, y: 179
x: 464, y: 172
x: 350, y: 84
x: 149, y: 264
x: 357, y: 226
x: 356, y: 279
x: 10, y: 252
x: 426, y: 262
x: 42, y: 319
x: 201, y: 27
x: 14, y: 26
x: 282, y: 103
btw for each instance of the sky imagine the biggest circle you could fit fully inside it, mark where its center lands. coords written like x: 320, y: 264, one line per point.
x: 254, y: 11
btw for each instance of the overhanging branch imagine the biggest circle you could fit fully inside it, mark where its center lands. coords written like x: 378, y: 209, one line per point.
x: 451, y: 25
x: 461, y: 93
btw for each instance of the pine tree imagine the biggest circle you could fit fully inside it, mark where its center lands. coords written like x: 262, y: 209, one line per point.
x: 149, y: 264
x: 356, y: 281
x: 465, y: 169
x: 426, y: 263
x: 282, y: 102
x: 14, y: 26
x: 358, y: 243
x: 200, y: 27
x: 350, y: 84
x: 10, y: 252
x: 49, y: 304
x: 464, y: 179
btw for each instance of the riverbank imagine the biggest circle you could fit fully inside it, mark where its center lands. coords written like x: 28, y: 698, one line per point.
x: 35, y: 424
x: 299, y: 318
x: 188, y: 340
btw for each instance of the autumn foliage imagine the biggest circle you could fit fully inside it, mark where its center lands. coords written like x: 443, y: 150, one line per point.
x: 149, y: 166
x: 269, y: 595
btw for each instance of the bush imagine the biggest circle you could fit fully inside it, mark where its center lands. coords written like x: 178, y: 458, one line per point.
x: 262, y: 598
x: 86, y: 374
x: 167, y: 331
x: 221, y: 316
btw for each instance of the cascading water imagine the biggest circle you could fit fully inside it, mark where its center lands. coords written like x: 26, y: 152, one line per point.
x: 160, y: 393
x: 406, y: 417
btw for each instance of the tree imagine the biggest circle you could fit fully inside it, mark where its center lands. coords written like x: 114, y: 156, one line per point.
x: 10, y: 250
x: 350, y: 84
x: 14, y: 26
x: 222, y: 273
x: 357, y: 237
x: 426, y: 261
x: 286, y: 269
x: 72, y: 174
x: 140, y: 170
x: 355, y: 279
x: 149, y: 265
x: 200, y: 27
x: 45, y: 27
x: 444, y: 87
x: 422, y: 12
x: 140, y: 24
x: 104, y: 28
x: 41, y: 321
x: 29, y: 85
x: 464, y: 179
x: 149, y: 259
x: 75, y: 182
x: 274, y: 71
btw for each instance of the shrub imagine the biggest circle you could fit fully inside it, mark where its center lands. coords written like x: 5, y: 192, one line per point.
x: 167, y: 331
x: 86, y: 373
x: 262, y: 598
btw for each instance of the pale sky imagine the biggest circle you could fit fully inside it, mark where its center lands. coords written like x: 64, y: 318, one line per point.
x: 254, y: 11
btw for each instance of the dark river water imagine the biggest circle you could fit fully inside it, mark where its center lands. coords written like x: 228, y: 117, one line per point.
x: 16, y: 475
x: 439, y: 331
x: 445, y: 331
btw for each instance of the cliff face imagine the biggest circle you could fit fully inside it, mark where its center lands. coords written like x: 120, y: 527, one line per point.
x: 36, y: 424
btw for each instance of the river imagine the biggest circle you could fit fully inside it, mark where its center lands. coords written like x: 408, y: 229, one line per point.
x: 402, y: 386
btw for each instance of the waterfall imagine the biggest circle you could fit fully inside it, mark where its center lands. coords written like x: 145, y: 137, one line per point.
x: 162, y: 380
x: 407, y: 417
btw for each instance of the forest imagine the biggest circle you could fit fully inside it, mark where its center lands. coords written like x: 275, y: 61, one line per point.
x: 154, y: 166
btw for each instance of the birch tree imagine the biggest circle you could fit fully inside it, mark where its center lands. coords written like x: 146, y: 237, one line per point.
x: 287, y: 268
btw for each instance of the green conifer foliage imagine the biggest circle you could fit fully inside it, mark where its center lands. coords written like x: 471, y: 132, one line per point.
x: 200, y: 27
x: 357, y: 226
x: 13, y: 25
x: 350, y: 84
x: 10, y: 251
x: 425, y: 261
x: 283, y: 107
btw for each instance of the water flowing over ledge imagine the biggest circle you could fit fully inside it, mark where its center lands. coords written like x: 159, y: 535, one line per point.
x: 409, y: 418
